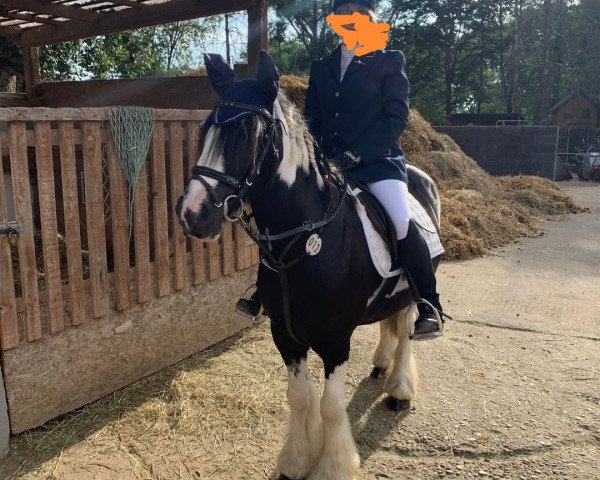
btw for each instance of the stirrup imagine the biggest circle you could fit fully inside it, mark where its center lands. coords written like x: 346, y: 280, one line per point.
x: 429, y: 335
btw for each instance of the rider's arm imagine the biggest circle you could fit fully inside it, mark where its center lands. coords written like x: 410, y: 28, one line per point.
x: 393, y: 117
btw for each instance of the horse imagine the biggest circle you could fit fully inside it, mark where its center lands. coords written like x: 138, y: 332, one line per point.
x: 266, y: 158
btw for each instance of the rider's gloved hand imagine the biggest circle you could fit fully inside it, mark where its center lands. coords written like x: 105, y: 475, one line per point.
x: 346, y: 160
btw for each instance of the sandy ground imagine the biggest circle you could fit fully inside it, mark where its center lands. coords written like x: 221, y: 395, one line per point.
x: 512, y: 391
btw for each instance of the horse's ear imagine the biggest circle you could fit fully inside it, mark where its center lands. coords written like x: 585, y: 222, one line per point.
x: 220, y: 75
x: 268, y: 76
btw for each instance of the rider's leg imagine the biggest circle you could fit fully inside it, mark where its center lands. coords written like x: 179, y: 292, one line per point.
x: 413, y: 253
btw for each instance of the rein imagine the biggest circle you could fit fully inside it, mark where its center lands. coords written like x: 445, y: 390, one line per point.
x: 264, y: 241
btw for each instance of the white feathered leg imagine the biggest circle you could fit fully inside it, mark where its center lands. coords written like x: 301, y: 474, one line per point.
x: 402, y: 381
x: 383, y: 357
x: 339, y: 460
x: 304, y: 441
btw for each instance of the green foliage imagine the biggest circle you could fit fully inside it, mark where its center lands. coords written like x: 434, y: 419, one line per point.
x: 151, y: 51
x: 469, y: 56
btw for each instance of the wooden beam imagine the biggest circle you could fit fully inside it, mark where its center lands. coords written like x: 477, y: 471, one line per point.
x: 54, y: 9
x: 148, y: 15
x: 31, y: 67
x: 257, y: 33
x: 26, y: 17
x: 126, y: 3
x: 10, y: 32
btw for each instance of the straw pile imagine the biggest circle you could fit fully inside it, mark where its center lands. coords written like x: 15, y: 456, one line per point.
x: 479, y: 212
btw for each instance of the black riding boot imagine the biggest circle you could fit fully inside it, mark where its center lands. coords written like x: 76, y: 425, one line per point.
x: 414, y: 256
x: 249, y: 307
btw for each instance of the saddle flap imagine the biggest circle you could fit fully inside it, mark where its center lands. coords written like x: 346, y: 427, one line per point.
x: 377, y: 215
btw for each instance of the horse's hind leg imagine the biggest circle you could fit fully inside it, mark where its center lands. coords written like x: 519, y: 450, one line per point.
x: 383, y: 357
x: 401, y: 383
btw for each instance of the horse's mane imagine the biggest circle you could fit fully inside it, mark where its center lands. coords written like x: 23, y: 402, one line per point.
x: 298, y: 143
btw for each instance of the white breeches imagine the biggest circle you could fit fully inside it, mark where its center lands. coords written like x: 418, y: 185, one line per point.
x: 393, y: 195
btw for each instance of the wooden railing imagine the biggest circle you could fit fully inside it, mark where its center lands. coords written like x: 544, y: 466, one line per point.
x: 68, y: 188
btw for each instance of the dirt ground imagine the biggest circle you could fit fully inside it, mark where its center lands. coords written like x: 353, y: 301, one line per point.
x: 512, y: 391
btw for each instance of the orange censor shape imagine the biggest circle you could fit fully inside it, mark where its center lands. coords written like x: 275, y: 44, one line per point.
x: 359, y: 30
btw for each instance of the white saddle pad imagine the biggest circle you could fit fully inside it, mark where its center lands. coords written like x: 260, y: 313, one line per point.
x: 380, y: 254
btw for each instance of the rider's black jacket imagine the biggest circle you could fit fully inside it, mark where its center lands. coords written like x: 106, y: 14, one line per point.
x: 366, y: 112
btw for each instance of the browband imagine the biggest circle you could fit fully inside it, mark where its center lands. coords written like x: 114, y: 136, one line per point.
x: 247, y: 108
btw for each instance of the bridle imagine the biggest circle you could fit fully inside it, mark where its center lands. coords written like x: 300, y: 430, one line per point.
x: 278, y: 264
x: 241, y: 187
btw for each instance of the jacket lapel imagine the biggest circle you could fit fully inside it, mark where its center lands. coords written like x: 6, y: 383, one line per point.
x: 357, y: 64
x: 334, y: 63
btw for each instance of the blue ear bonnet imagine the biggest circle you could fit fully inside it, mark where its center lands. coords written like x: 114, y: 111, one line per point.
x: 244, y: 91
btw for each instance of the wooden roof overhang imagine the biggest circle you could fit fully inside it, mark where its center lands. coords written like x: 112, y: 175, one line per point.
x: 33, y: 23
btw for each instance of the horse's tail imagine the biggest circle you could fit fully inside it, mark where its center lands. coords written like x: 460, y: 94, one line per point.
x: 423, y: 188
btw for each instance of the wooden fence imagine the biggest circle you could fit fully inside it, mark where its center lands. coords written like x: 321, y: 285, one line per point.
x: 74, y: 259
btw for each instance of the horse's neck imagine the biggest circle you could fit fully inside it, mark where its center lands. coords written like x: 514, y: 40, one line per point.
x: 284, y: 208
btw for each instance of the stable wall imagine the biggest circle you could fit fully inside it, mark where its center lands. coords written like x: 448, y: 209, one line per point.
x: 509, y: 150
x: 60, y: 373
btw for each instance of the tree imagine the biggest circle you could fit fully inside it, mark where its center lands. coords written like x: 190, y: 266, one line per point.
x: 306, y: 18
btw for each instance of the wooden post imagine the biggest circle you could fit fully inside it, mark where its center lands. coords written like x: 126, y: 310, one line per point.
x: 31, y: 65
x: 257, y: 33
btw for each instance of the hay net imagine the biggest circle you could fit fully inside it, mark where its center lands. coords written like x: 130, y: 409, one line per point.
x: 132, y: 132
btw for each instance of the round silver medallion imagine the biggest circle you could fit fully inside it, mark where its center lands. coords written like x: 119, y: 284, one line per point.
x: 313, y: 244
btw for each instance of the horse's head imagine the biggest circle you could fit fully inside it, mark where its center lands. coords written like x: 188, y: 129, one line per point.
x: 237, y: 137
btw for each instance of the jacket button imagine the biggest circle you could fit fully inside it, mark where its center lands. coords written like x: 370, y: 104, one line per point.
x: 337, y: 114
x: 335, y: 134
x: 337, y: 94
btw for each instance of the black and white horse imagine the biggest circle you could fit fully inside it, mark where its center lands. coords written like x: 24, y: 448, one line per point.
x: 271, y: 159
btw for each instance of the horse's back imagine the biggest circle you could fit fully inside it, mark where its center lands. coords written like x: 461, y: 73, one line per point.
x: 423, y: 188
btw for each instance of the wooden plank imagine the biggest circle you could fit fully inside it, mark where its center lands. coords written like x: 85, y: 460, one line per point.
x: 5, y: 12
x: 31, y: 114
x: 239, y: 234
x: 214, y: 259
x: 255, y: 254
x: 71, y: 211
x: 23, y: 215
x: 47, y: 205
x: 176, y: 174
x: 54, y: 9
x: 94, y: 212
x: 119, y: 215
x: 142, y: 237
x: 9, y: 328
x: 159, y: 208
x: 228, y: 248
x: 149, y: 15
x: 198, y: 257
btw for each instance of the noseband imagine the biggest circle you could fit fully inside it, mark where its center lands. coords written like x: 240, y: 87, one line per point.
x: 241, y: 187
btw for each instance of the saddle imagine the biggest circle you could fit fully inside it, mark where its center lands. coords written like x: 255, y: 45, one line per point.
x: 377, y: 215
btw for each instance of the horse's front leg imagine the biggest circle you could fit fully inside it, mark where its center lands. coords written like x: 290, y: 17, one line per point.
x: 401, y: 383
x: 304, y: 439
x: 339, y: 460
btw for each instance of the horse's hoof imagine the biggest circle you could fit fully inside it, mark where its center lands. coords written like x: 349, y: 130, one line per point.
x: 284, y: 477
x: 397, y: 405
x: 378, y: 373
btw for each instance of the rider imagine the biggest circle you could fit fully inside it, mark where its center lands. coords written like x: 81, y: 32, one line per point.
x: 357, y: 108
